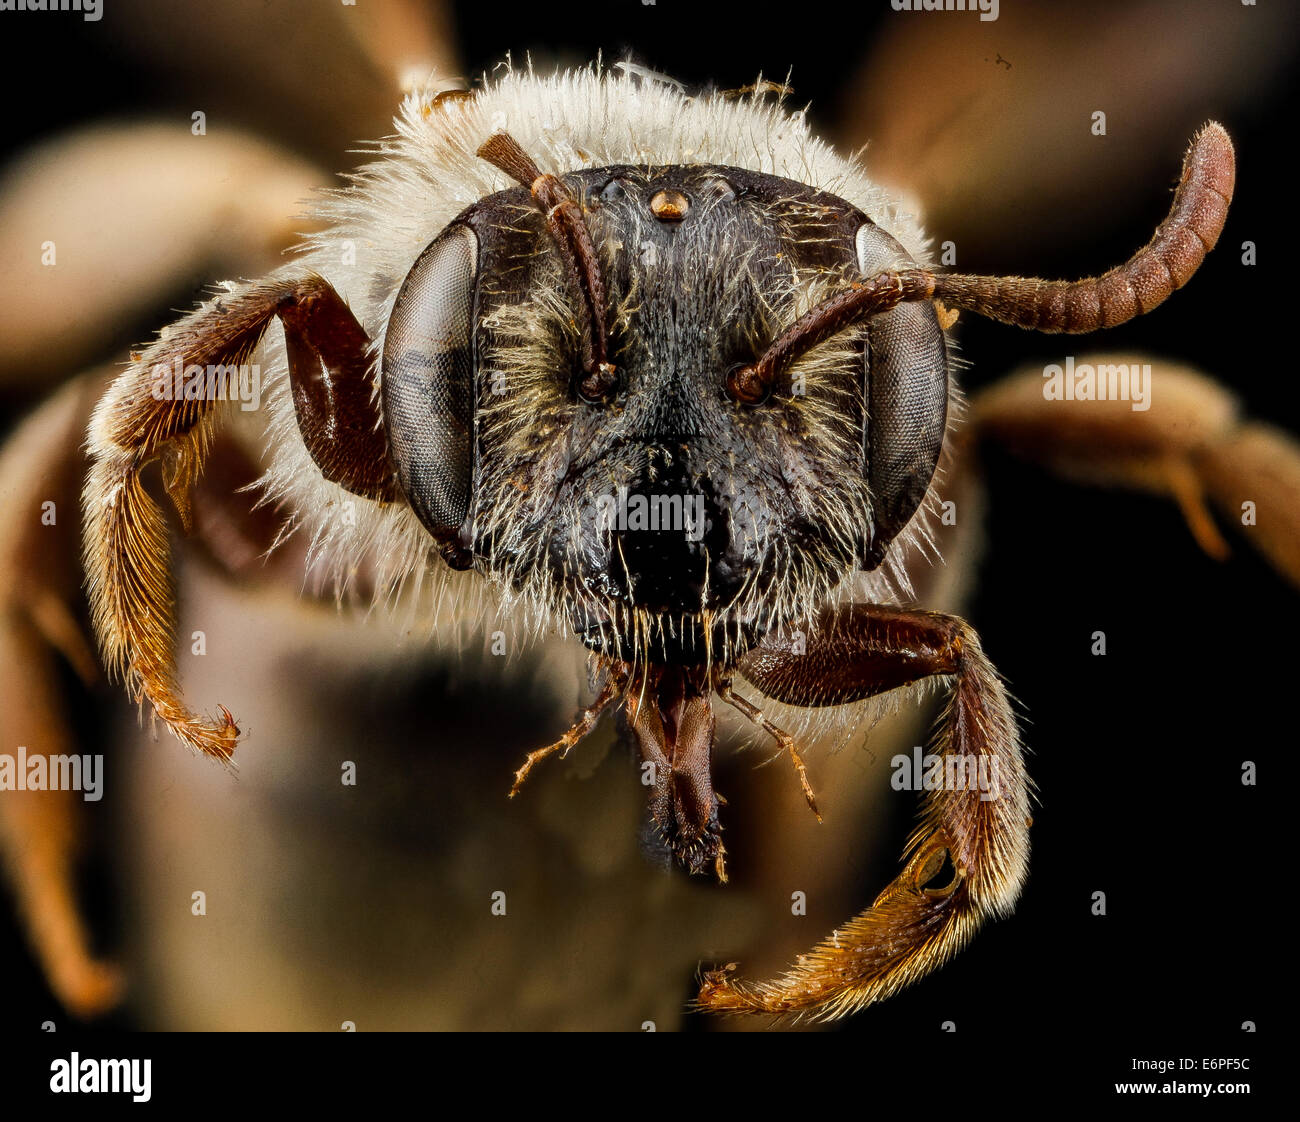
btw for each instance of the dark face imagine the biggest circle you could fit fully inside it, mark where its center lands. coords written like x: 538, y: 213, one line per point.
x: 667, y: 518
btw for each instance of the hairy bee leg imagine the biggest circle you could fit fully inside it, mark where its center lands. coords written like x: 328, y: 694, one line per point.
x: 1186, y: 442
x: 913, y: 927
x: 580, y: 728
x: 783, y: 738
x: 159, y: 409
x: 41, y: 832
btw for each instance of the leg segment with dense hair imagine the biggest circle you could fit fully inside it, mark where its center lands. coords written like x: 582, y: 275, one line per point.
x: 138, y: 421
x: 914, y: 926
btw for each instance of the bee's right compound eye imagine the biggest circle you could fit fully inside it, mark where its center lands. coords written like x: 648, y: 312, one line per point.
x: 907, y: 398
x: 428, y: 382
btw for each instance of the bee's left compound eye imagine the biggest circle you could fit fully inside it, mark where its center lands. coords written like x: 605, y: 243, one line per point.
x: 428, y: 382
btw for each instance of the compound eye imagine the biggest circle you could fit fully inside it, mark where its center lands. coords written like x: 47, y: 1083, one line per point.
x: 428, y: 381
x: 907, y: 397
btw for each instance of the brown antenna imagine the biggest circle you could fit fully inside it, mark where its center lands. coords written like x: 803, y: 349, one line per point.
x: 1143, y: 282
x: 568, y: 227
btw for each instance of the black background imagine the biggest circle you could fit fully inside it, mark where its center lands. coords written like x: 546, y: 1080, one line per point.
x: 1137, y: 755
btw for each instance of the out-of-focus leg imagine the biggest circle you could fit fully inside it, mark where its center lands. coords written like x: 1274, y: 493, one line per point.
x: 1177, y: 433
x: 40, y: 545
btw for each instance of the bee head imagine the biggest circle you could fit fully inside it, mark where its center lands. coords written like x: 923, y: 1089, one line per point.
x: 562, y: 410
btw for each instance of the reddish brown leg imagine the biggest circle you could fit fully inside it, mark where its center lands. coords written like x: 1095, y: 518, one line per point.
x: 580, y: 728
x: 142, y: 419
x: 783, y: 738
x: 981, y: 826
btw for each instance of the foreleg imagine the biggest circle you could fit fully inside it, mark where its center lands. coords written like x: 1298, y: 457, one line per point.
x: 980, y: 823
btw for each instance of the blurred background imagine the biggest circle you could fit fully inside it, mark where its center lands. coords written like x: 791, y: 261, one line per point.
x: 328, y: 904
